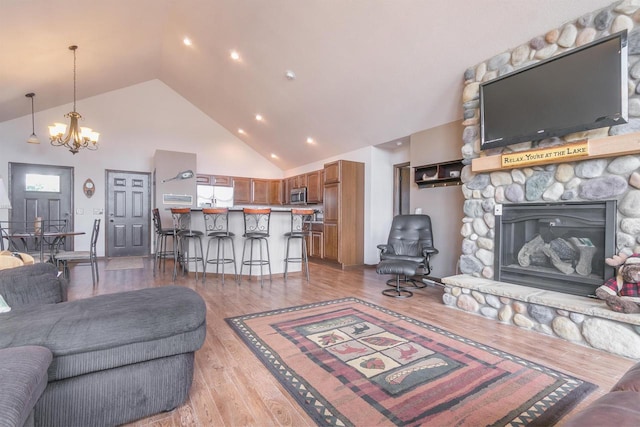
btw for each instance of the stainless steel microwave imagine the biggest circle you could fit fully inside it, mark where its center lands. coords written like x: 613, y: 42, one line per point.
x: 298, y: 196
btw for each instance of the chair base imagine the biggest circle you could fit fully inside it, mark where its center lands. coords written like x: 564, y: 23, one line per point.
x: 397, y: 293
x: 220, y: 260
x: 252, y: 262
x: 303, y: 259
x: 161, y: 253
x: 408, y: 281
x: 181, y: 255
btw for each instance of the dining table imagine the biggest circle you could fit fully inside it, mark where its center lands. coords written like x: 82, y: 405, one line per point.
x: 51, y: 239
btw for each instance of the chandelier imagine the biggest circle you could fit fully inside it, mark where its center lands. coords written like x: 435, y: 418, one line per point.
x: 78, y: 137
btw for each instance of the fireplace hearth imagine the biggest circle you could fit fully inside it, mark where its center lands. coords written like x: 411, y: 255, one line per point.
x: 556, y: 246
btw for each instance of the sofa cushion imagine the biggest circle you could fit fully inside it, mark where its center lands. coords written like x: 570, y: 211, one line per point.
x: 616, y: 408
x: 630, y: 381
x: 32, y: 284
x: 24, y: 377
x: 109, y: 330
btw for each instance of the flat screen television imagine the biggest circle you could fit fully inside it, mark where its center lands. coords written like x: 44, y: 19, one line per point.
x: 582, y: 89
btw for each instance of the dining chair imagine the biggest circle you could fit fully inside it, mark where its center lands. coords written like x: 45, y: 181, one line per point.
x: 216, y: 221
x: 162, y: 234
x: 82, y: 257
x: 300, y: 230
x: 185, y: 234
x: 256, y: 230
x: 53, y: 244
x: 21, y: 236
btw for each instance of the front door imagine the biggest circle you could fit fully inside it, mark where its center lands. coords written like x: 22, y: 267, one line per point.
x: 128, y: 213
x: 42, y: 191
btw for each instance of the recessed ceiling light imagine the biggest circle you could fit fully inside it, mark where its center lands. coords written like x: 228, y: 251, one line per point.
x: 310, y: 140
x: 241, y: 132
x: 235, y: 55
x: 187, y: 41
x: 290, y: 75
x: 273, y: 156
x: 399, y: 143
x: 259, y: 117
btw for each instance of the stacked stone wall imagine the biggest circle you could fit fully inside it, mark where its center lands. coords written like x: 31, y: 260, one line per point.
x: 599, y: 179
x: 613, y: 336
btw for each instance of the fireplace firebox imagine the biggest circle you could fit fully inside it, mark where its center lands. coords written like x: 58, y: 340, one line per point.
x: 555, y: 246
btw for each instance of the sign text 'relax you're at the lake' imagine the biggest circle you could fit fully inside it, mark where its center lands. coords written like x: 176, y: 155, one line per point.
x: 546, y: 155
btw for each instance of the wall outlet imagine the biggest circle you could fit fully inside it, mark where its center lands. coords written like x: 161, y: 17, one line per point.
x: 79, y: 211
x: 497, y: 210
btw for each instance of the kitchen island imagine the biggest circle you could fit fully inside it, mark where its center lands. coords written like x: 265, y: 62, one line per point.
x: 280, y: 223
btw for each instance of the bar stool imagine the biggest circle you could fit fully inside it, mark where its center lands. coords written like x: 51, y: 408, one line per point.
x: 216, y: 221
x: 184, y: 233
x: 300, y: 229
x: 256, y: 230
x: 161, y: 253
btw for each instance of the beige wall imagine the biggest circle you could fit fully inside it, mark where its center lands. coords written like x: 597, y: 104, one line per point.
x: 443, y: 204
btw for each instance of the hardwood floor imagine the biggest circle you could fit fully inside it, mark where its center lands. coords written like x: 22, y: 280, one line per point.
x: 232, y: 388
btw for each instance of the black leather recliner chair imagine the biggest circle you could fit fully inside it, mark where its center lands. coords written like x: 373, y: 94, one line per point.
x: 409, y: 248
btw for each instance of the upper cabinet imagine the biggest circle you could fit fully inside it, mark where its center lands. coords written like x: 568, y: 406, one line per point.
x: 248, y: 191
x: 203, y: 179
x: 241, y: 191
x: 332, y: 172
x: 217, y: 180
x: 221, y: 181
x: 276, y: 192
x: 260, y: 191
x: 314, y: 187
x: 439, y: 174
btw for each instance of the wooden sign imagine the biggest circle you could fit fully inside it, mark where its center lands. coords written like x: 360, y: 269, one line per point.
x: 545, y: 155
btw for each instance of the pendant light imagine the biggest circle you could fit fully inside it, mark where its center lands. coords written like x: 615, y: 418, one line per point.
x: 78, y: 137
x: 33, y: 139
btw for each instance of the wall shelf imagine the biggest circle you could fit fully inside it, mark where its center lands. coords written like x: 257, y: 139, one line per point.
x: 439, y: 174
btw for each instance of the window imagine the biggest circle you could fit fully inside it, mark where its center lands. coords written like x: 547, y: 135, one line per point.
x: 42, y: 183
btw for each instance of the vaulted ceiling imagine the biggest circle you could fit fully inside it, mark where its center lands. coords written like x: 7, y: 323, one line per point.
x: 367, y: 72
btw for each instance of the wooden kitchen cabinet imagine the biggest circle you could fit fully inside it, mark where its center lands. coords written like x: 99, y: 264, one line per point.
x: 316, y: 248
x: 260, y: 189
x: 332, y: 172
x: 241, y: 191
x: 330, y: 242
x: 203, y: 179
x: 331, y: 199
x: 314, y: 187
x: 221, y: 181
x: 343, y: 239
x: 275, y: 192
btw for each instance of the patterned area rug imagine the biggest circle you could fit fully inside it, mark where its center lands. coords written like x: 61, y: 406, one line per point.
x: 125, y: 263
x: 349, y: 362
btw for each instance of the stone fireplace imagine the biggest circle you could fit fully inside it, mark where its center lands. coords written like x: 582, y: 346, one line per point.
x: 593, y: 201
x: 555, y: 246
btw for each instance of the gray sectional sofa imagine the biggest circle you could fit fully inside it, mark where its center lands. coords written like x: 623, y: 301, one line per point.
x: 107, y: 360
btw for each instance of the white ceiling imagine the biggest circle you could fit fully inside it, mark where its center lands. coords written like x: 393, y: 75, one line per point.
x: 368, y: 71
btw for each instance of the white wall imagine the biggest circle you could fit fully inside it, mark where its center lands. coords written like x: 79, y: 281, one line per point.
x: 133, y: 122
x: 442, y: 204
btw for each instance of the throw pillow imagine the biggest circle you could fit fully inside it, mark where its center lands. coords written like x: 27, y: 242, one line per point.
x: 4, y: 307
